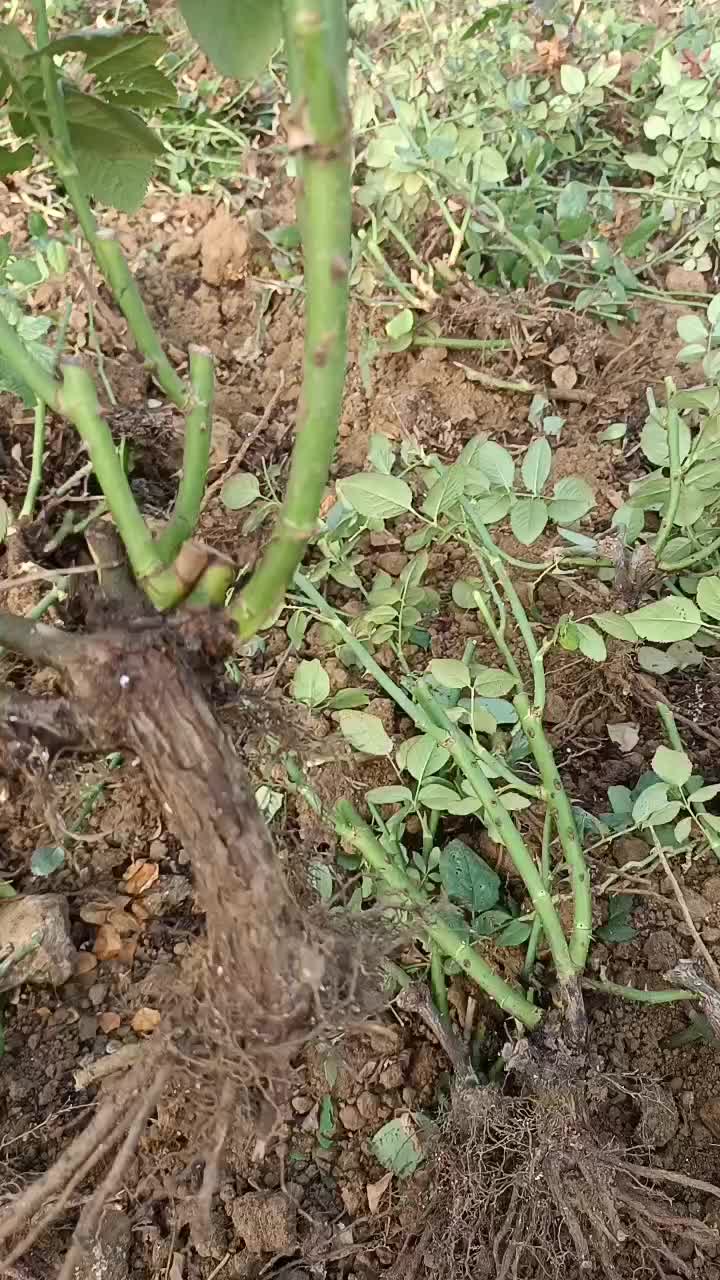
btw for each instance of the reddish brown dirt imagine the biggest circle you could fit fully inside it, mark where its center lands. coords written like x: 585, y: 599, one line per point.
x: 204, y: 279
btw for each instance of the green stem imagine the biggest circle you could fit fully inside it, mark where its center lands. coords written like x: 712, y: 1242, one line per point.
x: 350, y: 827
x: 460, y: 749
x: 536, y: 932
x: 557, y: 799
x: 668, y: 520
x: 437, y: 980
x: 36, y: 468
x: 317, y: 36
x: 79, y: 403
x: 674, y: 566
x: 463, y: 344
x: 670, y: 727
x: 425, y: 725
x: 196, y: 457
x: 638, y: 994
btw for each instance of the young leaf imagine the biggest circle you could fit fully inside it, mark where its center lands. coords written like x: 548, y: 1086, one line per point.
x: 422, y: 757
x: 617, y: 626
x: 536, y: 466
x: 704, y: 794
x: 365, y: 733
x: 389, y: 795
x: 495, y: 463
x: 240, y: 491
x: 444, y: 493
x: 239, y: 36
x: 492, y: 682
x: 450, y: 673
x: 691, y: 329
x: 572, y: 79
x: 467, y: 878
x: 514, y: 934
x: 401, y: 324
x: 528, y: 518
x: 590, y: 642
x: 381, y: 453
x: 492, y: 508
x: 438, y: 797
x: 396, y: 1146
x: 708, y: 597
x: 310, y: 683
x: 572, y: 499
x: 674, y: 767
x: 375, y: 496
x: 348, y: 700
x: 672, y: 618
x: 47, y: 859
x: 650, y: 801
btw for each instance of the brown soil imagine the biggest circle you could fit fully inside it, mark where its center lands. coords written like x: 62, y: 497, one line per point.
x: 310, y: 1193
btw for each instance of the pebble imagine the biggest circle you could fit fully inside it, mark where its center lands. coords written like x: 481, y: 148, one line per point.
x: 368, y: 1105
x: 350, y: 1118
x: 661, y: 951
x: 659, y: 1118
x: 711, y: 889
x: 43, y: 919
x: 393, y: 562
x: 629, y: 849
x: 97, y: 993
x: 697, y: 905
x: 392, y: 1076
x: 87, y: 1026
x: 679, y: 280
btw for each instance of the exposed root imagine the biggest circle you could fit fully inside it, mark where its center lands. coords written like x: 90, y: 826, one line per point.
x: 522, y: 1181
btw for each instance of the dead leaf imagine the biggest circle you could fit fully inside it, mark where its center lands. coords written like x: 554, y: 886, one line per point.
x: 109, y: 1022
x: 108, y: 942
x: 145, y: 1021
x: 376, y: 1190
x: 95, y: 912
x: 551, y: 53
x: 123, y: 922
x: 624, y: 734
x: 127, y: 951
x: 561, y: 355
x: 139, y: 876
x: 140, y: 912
x: 85, y: 962
x: 176, y: 1270
x: 564, y: 376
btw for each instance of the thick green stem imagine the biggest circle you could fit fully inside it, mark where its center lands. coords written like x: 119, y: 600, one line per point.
x: 536, y: 932
x: 669, y: 725
x: 316, y: 36
x: 557, y: 798
x: 351, y: 828
x: 461, y: 751
x: 688, y: 562
x: 437, y: 981
x: 79, y: 403
x: 196, y: 457
x: 36, y: 469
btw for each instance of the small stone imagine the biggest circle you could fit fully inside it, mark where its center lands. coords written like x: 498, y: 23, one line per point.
x: 368, y: 1105
x: 266, y: 1221
x: 109, y: 1022
x: 678, y: 280
x: 87, y: 1026
x: 661, y: 951
x: 711, y: 935
x: 697, y: 905
x: 97, y: 993
x: 302, y: 1104
x: 350, y: 1118
x: 85, y: 963
x: 392, y: 1076
x: 393, y: 562
x: 169, y: 893
x: 629, y: 849
x: 40, y: 926
x: 709, y: 1113
x: 145, y: 1021
x: 108, y: 943
x: 711, y: 889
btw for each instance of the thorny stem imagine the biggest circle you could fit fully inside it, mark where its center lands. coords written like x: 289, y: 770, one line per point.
x: 36, y: 469
x: 673, y: 433
x: 196, y: 457
x: 557, y: 799
x: 350, y: 827
x: 103, y: 244
x: 316, y: 35
x: 456, y: 743
x: 79, y: 403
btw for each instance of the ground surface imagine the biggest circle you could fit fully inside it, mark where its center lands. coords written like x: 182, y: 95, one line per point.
x: 134, y: 917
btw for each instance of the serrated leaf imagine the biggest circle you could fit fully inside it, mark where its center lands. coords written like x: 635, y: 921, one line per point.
x: 365, y: 733
x: 47, y: 859
x: 590, y: 642
x: 616, y: 625
x: 389, y: 795
x: 672, y: 618
x: 528, y: 518
x: 396, y: 1146
x: 240, y: 491
x: 708, y: 597
x: 114, y: 150
x: 572, y: 79
x: 467, y: 878
x: 444, y: 493
x: 310, y: 683
x: 536, y: 466
x: 422, y: 757
x: 375, y: 496
x: 239, y: 36
x: 450, y: 673
x: 673, y: 767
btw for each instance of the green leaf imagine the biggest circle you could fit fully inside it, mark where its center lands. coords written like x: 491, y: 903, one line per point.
x: 650, y: 801
x: 444, y: 493
x: 703, y: 794
x: 492, y: 682
x: 396, y: 1146
x: 502, y: 710
x: 422, y: 757
x: 683, y: 829
x: 467, y: 878
x: 310, y: 683
x: 389, y: 795
x: 643, y: 163
x: 365, y: 733
x: 572, y: 499
x: 439, y: 797
x: 7, y: 891
x: 616, y: 431
x: 348, y: 700
x: 320, y: 877
x: 618, y: 927
x: 495, y: 463
x: 239, y: 36
x: 381, y: 453
x: 514, y: 934
x: 671, y: 71
x: 637, y: 240
x: 375, y: 496
x: 616, y: 625
x: 4, y: 520
x: 590, y: 642
x: 491, y: 165
x: 708, y: 597
x: 672, y: 618
x: 240, y: 491
x: 528, y: 518
x: 492, y: 508
x: 401, y: 324
x: 572, y: 200
x: 450, y: 673
x: 47, y: 859
x: 536, y: 466
x: 114, y: 150
x: 691, y: 329
x: 673, y: 767
x: 15, y: 161
x: 572, y: 79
